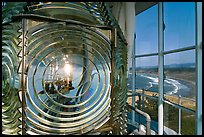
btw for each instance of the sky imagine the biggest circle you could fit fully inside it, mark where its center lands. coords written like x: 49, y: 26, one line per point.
x: 179, y: 20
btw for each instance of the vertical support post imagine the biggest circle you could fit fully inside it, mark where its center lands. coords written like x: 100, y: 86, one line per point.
x: 113, y: 45
x: 22, y: 76
x: 130, y: 37
x: 148, y: 128
x: 179, y: 115
x: 198, y: 24
x: 129, y: 27
x: 139, y: 106
x: 140, y: 103
x: 142, y: 99
x: 161, y: 68
x: 133, y: 80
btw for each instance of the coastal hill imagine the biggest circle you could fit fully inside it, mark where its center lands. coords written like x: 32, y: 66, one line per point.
x: 189, y: 66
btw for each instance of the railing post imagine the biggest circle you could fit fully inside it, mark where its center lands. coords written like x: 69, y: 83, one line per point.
x: 148, y: 118
x: 179, y: 115
x: 142, y: 99
x: 140, y: 103
x: 148, y: 130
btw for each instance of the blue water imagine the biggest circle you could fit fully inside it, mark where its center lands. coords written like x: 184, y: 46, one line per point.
x: 150, y: 83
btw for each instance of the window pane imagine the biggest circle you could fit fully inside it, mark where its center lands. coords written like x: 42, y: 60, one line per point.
x: 147, y: 83
x: 188, y: 125
x: 170, y: 119
x: 147, y: 31
x: 147, y: 62
x: 180, y: 80
x: 180, y: 75
x: 179, y: 19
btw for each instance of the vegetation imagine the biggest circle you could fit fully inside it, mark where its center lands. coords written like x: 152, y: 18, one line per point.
x: 171, y: 116
x: 185, y: 73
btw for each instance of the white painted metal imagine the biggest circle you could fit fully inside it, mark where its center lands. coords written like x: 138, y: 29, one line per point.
x: 198, y: 68
x: 168, y: 52
x: 130, y: 37
x: 130, y: 28
x: 133, y: 80
x: 179, y: 115
x: 143, y: 100
x: 161, y: 68
x: 168, y: 102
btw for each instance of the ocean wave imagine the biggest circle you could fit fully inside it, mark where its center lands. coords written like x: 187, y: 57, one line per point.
x: 171, y: 86
x: 176, y: 85
x: 154, y: 81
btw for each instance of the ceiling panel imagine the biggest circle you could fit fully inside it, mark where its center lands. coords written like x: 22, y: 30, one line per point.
x: 142, y: 6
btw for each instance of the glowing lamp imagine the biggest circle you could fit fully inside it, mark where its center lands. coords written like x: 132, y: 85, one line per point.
x: 67, y: 69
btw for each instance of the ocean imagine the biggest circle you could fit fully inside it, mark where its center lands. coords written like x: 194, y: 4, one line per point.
x: 150, y: 83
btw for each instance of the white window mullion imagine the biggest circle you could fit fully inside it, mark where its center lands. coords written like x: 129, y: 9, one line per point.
x: 161, y: 68
x: 198, y: 6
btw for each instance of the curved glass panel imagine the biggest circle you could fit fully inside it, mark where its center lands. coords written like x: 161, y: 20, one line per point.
x: 73, y: 79
x: 10, y: 80
x: 68, y: 81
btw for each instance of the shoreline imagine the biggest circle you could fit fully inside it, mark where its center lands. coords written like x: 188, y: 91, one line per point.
x: 190, y: 84
x: 185, y: 78
x: 172, y: 98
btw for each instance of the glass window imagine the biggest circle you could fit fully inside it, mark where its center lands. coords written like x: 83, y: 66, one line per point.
x: 179, y: 67
x: 180, y: 88
x: 179, y: 19
x: 188, y: 125
x: 147, y: 31
x: 147, y: 73
x: 147, y: 83
x: 180, y: 74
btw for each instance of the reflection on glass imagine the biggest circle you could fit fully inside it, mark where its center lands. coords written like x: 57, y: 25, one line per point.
x: 68, y: 81
x: 11, y: 79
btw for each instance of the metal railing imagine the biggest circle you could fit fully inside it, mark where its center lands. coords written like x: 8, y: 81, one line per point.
x: 179, y: 106
x: 148, y: 118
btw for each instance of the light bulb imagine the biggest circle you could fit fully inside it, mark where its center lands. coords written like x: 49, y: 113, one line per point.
x: 67, y: 69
